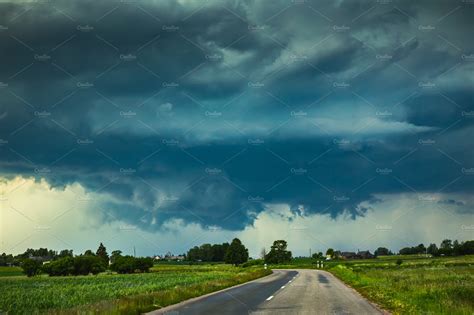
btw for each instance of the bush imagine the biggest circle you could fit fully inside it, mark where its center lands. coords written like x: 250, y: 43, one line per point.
x: 130, y: 264
x: 61, y: 267
x: 80, y: 265
x: 253, y: 262
x: 31, y: 267
x: 399, y: 262
x: 84, y: 265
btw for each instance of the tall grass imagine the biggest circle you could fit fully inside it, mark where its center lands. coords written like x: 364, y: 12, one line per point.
x: 118, y: 294
x: 428, y: 286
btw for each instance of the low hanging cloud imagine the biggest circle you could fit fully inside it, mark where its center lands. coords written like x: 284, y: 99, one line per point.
x: 212, y: 112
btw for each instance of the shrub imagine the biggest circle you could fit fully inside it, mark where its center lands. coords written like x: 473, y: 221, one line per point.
x: 31, y: 267
x: 253, y: 262
x: 399, y: 262
x: 130, y: 264
x: 60, y: 267
x: 84, y: 265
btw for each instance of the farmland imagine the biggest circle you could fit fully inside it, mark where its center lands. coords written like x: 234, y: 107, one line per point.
x: 417, y: 285
x: 118, y: 294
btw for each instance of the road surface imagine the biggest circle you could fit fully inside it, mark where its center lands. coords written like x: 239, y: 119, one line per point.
x: 284, y: 292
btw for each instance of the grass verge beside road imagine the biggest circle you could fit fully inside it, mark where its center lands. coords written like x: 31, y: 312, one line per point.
x: 119, y: 294
x: 418, y: 285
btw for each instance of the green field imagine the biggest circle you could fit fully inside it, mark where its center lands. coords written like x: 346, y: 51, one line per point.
x: 117, y: 294
x: 419, y: 285
x: 10, y: 271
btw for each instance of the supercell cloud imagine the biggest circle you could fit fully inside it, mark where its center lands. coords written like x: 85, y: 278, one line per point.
x: 216, y: 112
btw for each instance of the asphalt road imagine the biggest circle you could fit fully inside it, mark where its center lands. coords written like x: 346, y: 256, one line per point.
x: 284, y: 292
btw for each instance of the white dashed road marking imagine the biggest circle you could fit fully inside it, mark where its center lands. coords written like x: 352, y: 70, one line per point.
x: 269, y: 298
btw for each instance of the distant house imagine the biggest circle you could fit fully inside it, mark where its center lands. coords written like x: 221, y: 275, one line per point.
x: 365, y: 254
x: 359, y: 255
x: 348, y: 255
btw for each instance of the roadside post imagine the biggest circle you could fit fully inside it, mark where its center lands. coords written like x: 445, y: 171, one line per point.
x: 265, y: 266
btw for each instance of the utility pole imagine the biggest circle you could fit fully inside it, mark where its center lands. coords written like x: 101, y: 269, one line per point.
x: 134, y: 252
x: 310, y: 253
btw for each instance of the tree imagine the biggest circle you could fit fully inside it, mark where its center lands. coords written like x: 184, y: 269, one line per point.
x: 115, y: 254
x: 60, y: 267
x: 278, y: 253
x: 330, y: 252
x: 432, y: 249
x: 89, y: 253
x: 236, y: 253
x: 102, y: 254
x: 382, y: 251
x: 84, y: 265
x: 446, y: 247
x: 263, y: 253
x: 467, y: 248
x: 31, y: 267
x: 318, y: 255
x: 65, y: 253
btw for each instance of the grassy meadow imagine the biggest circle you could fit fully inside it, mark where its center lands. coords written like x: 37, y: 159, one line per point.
x: 419, y: 285
x: 114, y: 293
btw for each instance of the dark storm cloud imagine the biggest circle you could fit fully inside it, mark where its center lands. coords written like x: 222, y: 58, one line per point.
x: 211, y: 111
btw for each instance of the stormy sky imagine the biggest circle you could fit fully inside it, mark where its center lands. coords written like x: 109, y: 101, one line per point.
x: 166, y: 124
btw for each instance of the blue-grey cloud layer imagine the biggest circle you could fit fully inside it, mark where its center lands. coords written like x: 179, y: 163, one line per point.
x: 210, y: 110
